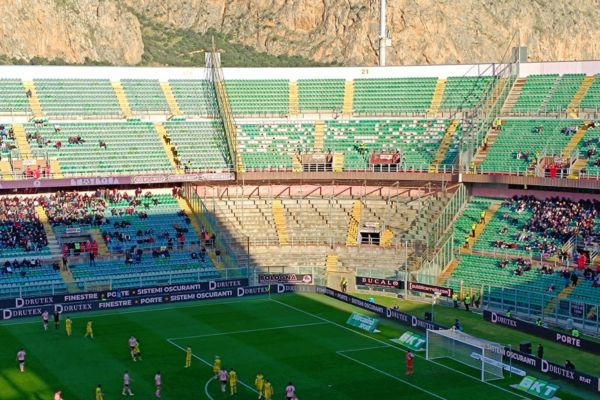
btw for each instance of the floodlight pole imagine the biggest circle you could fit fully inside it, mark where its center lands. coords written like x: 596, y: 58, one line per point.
x: 382, y: 33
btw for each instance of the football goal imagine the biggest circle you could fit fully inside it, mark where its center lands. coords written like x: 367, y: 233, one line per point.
x: 477, y: 353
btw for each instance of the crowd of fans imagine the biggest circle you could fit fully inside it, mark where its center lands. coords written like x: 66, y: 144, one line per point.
x: 20, y: 228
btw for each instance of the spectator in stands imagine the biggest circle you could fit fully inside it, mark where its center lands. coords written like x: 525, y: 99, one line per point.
x: 102, y: 144
x: 28, y: 93
x: 574, y: 278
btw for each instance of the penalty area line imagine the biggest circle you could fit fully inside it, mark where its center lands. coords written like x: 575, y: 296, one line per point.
x: 341, y: 353
x: 249, y: 331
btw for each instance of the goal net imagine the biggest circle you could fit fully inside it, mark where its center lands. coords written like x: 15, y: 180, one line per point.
x: 466, y: 349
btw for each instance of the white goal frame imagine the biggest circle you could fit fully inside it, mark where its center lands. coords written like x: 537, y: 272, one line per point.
x: 468, y: 350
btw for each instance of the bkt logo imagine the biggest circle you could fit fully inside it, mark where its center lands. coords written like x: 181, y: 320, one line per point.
x: 538, y: 387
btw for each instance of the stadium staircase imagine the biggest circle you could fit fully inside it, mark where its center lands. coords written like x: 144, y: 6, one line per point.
x: 102, y: 248
x: 55, y: 168
x: 575, y: 139
x: 122, y: 98
x: 354, y: 224
x: 573, y: 108
x: 514, y: 95
x: 348, y: 98
x: 551, y: 306
x: 6, y: 170
x: 280, y: 222
x: 338, y: 162
x: 551, y: 93
x: 22, y: 143
x: 297, y: 163
x: 52, y: 242
x: 444, y: 145
x: 481, y: 153
x: 294, y: 98
x: 489, y: 215
x: 438, y: 96
x: 34, y: 100
x: 576, y: 168
x: 171, y: 101
x: 331, y: 263
x: 447, y: 272
x: 387, y: 238
x: 162, y: 135
x: 319, y: 136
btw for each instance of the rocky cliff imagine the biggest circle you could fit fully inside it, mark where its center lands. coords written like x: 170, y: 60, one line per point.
x: 339, y: 31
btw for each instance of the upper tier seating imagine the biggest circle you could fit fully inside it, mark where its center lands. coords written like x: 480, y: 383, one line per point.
x: 321, y: 94
x: 417, y: 140
x: 202, y: 143
x: 393, y: 95
x: 145, y: 96
x: 535, y: 92
x: 591, y: 100
x: 131, y: 147
x: 13, y: 98
x: 272, y: 145
x: 464, y: 92
x: 194, y: 97
x: 78, y: 97
x: 567, y: 86
x: 589, y: 147
x: 521, y: 135
x: 8, y: 145
x: 259, y: 97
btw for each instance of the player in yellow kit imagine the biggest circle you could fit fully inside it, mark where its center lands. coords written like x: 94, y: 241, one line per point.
x: 259, y: 383
x: 217, y: 365
x: 136, y: 351
x: 68, y: 326
x: 99, y: 394
x: 188, y: 357
x: 233, y: 381
x: 89, y: 330
x: 268, y: 390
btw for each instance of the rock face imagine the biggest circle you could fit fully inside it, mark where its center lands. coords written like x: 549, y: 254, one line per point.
x: 340, y: 31
x: 72, y: 30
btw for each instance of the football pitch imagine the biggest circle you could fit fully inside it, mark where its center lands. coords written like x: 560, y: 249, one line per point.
x: 296, y: 337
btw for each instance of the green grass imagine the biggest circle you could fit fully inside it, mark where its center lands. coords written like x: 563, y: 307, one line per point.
x: 302, y: 338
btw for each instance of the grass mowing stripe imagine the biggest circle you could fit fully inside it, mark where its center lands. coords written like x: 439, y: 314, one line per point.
x: 207, y: 363
x: 391, y: 346
x: 248, y: 331
x: 390, y: 375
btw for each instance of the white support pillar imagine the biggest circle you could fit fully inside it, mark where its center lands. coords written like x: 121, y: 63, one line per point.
x: 382, y: 33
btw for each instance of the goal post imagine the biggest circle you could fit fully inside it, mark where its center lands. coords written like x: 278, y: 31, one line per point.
x: 474, y: 352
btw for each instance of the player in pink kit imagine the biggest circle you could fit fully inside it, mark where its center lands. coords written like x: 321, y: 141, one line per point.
x: 290, y: 391
x: 45, y: 316
x: 223, y: 375
x: 158, y: 383
x: 132, y: 344
x: 21, y: 359
x: 126, y: 384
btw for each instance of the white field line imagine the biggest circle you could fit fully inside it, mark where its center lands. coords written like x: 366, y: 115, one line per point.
x: 385, y: 344
x: 210, y: 365
x: 249, y: 331
x: 390, y: 375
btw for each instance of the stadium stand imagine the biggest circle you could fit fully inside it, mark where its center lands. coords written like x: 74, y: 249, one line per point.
x: 86, y: 98
x: 393, y: 96
x: 13, y: 97
x: 535, y: 92
x: 194, y: 97
x: 321, y: 95
x: 201, y: 145
x: 145, y: 96
x: 563, y: 93
x: 591, y: 100
x: 272, y: 145
x: 521, y: 142
x: 259, y: 97
x: 417, y: 140
x: 464, y: 92
x: 131, y: 147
